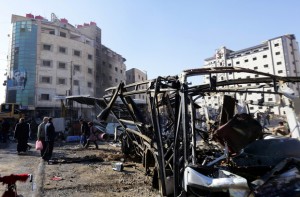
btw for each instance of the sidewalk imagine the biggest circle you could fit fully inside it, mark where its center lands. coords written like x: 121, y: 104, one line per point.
x: 12, y: 163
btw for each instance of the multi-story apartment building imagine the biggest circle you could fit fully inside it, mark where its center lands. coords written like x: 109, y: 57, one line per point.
x: 135, y: 75
x: 50, y: 59
x: 278, y: 56
x: 113, y: 70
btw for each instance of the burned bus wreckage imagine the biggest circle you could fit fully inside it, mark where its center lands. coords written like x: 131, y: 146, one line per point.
x: 232, y: 156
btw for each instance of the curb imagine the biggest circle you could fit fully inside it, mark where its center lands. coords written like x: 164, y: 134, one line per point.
x: 39, y: 179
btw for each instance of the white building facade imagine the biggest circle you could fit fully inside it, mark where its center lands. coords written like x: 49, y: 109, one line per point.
x: 50, y: 59
x: 278, y: 56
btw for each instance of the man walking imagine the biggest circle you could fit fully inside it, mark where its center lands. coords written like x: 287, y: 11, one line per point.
x: 5, y: 130
x: 85, y: 132
x: 22, y: 135
x: 41, y: 134
x: 93, y: 136
x: 49, y: 139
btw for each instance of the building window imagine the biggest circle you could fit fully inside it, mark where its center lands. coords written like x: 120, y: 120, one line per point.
x: 255, y: 68
x: 265, y: 56
x: 45, y: 79
x: 270, y: 99
x: 276, y: 45
x: 47, y: 47
x: 103, y: 63
x: 45, y: 97
x: 116, y: 80
x: 237, y: 62
x: 90, y: 57
x: 246, y: 60
x: 77, y: 68
x: 52, y: 32
x: 251, y: 108
x: 89, y: 84
x: 47, y: 63
x: 62, y: 50
x: 256, y: 75
x: 277, y: 53
x: 116, y: 69
x: 61, y: 65
x: 76, y: 83
x: 266, y: 66
x: 22, y: 29
x: 278, y: 63
x: 229, y: 64
x: 121, y: 71
x: 254, y: 58
x: 61, y: 81
x: 76, y: 53
x: 90, y: 71
x: 62, y: 34
x: 280, y: 71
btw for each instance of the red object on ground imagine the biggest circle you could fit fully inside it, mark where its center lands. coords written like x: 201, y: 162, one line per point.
x: 11, y: 179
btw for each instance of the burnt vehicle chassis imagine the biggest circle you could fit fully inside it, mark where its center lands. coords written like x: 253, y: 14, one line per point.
x: 187, y: 161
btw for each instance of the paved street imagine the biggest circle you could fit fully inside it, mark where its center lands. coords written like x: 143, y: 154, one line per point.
x: 12, y: 163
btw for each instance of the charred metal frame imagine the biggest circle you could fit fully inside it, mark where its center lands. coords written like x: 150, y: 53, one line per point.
x: 166, y: 131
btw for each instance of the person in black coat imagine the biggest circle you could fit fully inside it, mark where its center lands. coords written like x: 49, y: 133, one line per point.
x: 49, y: 139
x: 5, y: 130
x: 85, y: 132
x: 22, y: 134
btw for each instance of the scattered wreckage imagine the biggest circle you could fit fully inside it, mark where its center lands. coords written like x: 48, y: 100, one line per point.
x: 231, y: 157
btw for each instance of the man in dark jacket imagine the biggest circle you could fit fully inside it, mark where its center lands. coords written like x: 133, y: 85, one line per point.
x: 22, y: 135
x: 85, y: 132
x: 49, y: 139
x: 5, y: 130
x: 41, y: 134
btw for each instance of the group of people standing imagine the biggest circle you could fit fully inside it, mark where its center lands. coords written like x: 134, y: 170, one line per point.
x: 88, y: 134
x: 46, y: 134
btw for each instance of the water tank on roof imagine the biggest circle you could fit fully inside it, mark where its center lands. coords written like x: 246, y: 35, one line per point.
x: 63, y: 20
x: 29, y: 16
x: 39, y: 17
x: 92, y: 23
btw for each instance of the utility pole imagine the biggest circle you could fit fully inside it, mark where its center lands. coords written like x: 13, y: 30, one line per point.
x: 71, y: 90
x: 71, y: 79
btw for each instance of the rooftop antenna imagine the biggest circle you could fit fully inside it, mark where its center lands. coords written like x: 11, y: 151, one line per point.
x: 54, y: 17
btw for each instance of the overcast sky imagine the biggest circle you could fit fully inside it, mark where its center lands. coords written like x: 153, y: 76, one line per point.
x: 164, y: 37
